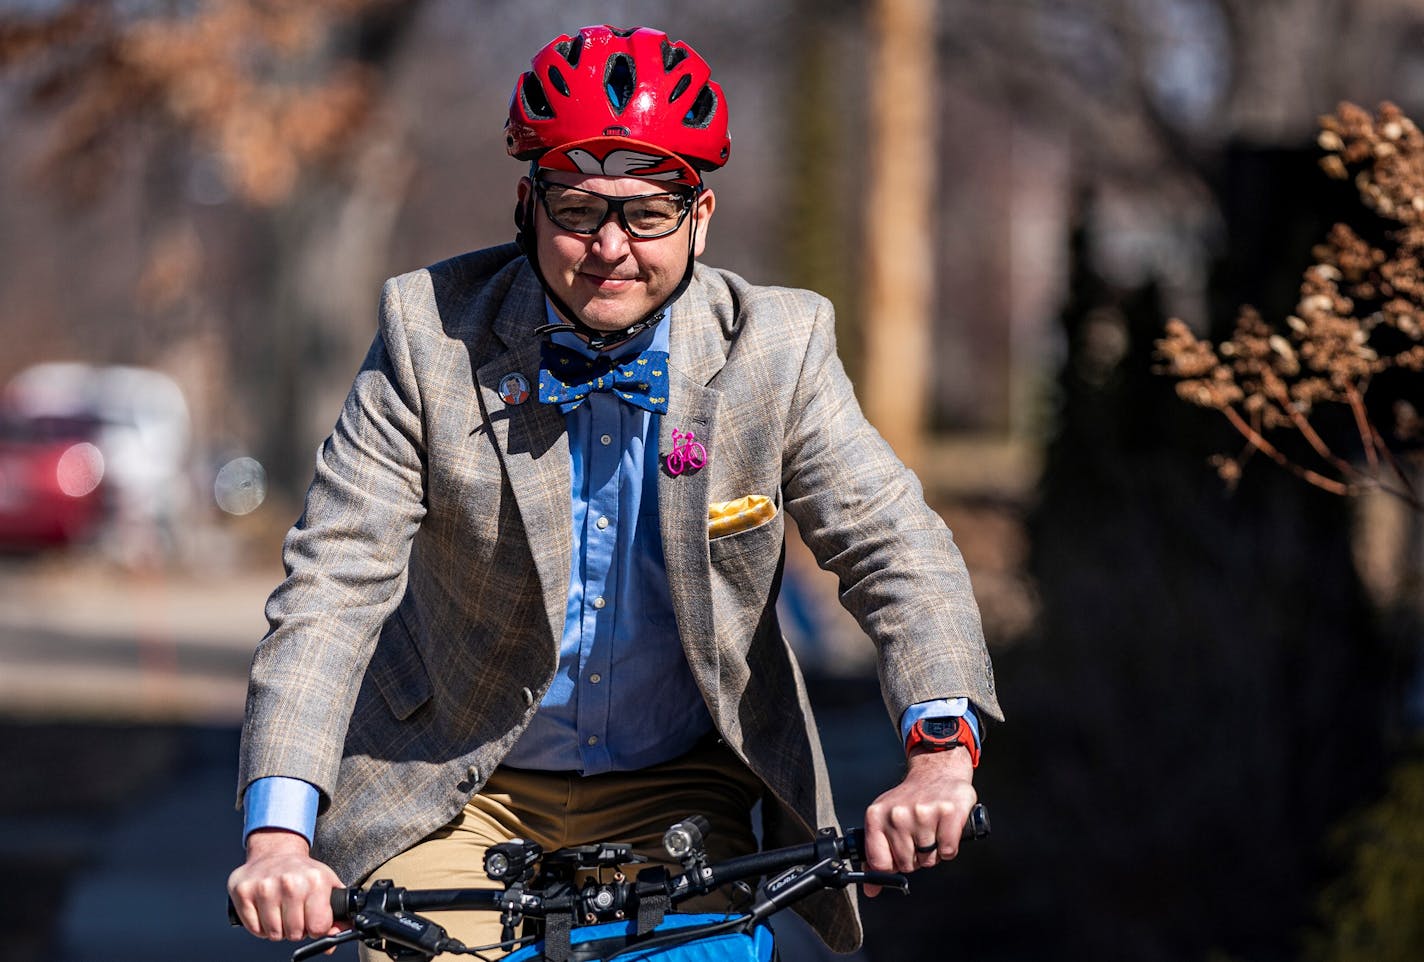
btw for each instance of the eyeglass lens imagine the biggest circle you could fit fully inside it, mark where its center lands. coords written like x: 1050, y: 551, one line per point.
x: 584, y: 212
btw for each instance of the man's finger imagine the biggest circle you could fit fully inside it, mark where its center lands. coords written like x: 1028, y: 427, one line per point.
x: 951, y: 829
x: 317, y: 911
x: 247, y: 914
x: 269, y: 917
x: 294, y: 917
x: 927, y: 854
x: 877, y: 848
x: 895, y: 826
x: 902, y: 838
x: 878, y: 854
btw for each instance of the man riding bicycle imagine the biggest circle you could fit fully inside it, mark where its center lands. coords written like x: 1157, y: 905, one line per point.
x: 532, y: 593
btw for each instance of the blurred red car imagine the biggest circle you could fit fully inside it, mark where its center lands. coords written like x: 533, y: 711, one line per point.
x: 51, y: 481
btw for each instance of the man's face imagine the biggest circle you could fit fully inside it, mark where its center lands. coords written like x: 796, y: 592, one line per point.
x: 611, y: 278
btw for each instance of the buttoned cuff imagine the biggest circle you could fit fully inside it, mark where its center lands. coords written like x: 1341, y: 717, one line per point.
x: 280, y: 802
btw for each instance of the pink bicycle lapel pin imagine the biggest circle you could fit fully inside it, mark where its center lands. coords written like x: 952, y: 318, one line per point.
x: 687, y: 453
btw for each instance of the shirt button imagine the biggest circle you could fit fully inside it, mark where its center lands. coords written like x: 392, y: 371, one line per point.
x: 601, y: 523
x: 606, y: 440
x: 595, y: 678
x: 599, y: 602
x: 593, y: 739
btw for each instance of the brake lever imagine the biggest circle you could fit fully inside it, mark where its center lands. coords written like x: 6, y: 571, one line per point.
x: 322, y: 945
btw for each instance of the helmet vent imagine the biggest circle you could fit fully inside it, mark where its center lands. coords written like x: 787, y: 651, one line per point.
x: 536, y: 102
x: 623, y: 32
x: 557, y: 79
x: 702, y: 110
x: 680, y: 87
x: 619, y: 80
x: 570, y: 50
x: 672, y: 56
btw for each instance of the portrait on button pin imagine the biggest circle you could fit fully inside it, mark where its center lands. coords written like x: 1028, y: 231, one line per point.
x: 513, y: 388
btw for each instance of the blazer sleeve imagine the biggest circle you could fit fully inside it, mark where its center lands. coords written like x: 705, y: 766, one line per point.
x: 863, y: 514
x: 346, y: 569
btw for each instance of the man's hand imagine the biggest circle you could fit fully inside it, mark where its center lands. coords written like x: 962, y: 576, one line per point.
x: 928, y: 808
x: 281, y: 892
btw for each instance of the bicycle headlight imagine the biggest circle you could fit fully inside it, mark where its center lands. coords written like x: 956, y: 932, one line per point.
x: 686, y: 837
x: 512, y: 861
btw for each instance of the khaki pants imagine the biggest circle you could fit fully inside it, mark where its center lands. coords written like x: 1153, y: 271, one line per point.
x: 559, y: 809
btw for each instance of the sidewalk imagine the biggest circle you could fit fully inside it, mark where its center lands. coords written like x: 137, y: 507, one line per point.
x: 84, y: 641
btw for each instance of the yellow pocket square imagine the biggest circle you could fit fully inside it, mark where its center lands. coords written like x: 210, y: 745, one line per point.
x: 730, y: 517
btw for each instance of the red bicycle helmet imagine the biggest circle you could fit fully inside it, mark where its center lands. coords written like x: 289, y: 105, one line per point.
x: 628, y: 103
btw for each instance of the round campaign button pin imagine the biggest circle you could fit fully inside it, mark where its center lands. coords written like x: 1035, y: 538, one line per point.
x: 514, y: 388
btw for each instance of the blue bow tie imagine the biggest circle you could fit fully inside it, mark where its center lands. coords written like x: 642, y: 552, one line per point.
x: 567, y: 378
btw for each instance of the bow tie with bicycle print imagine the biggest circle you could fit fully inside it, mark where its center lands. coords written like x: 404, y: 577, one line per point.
x: 567, y: 378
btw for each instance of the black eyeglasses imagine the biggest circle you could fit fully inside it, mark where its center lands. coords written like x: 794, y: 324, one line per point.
x: 644, y: 216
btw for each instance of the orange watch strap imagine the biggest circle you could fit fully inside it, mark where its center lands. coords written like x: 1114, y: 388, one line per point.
x: 963, y: 735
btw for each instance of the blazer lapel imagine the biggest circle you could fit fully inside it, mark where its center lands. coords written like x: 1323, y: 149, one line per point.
x: 682, y: 515
x: 701, y: 326
x: 696, y: 349
x: 533, y: 441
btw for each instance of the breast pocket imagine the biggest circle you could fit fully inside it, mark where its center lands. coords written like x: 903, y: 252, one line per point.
x: 743, y: 553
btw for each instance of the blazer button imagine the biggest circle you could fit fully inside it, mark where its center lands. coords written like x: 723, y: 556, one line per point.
x: 467, y: 784
x: 528, y: 696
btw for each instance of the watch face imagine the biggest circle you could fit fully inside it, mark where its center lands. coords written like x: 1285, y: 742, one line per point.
x: 939, y: 729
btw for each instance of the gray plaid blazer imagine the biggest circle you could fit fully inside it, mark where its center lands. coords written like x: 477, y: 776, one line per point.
x: 419, y: 623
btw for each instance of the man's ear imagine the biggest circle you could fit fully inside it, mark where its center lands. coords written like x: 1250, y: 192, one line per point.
x: 521, y: 204
x: 702, y: 214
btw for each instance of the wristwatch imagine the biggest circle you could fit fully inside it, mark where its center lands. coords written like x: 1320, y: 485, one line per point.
x: 942, y: 734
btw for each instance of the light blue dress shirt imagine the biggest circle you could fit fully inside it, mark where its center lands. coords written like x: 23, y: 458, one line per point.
x: 623, y: 697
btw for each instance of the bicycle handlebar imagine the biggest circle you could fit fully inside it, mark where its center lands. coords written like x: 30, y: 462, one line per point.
x: 384, y: 910
x: 851, y: 846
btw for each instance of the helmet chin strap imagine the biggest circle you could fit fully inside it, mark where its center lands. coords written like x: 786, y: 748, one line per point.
x: 597, y: 340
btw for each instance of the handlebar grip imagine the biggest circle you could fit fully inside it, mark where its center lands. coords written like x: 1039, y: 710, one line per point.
x: 341, y: 904
x: 977, y: 825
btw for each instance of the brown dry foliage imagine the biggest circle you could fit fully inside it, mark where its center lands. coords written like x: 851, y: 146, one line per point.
x: 1359, y: 313
x: 252, y: 81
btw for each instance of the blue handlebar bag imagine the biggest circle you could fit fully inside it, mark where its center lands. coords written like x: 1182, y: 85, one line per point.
x: 755, y: 946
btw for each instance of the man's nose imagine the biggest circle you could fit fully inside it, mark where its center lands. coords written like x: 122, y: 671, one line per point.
x: 611, y: 241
